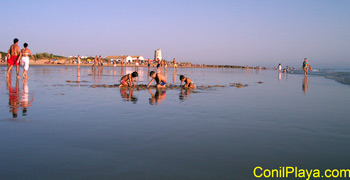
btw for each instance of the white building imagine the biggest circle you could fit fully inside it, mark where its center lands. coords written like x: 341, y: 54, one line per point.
x: 126, y: 58
x: 158, y: 54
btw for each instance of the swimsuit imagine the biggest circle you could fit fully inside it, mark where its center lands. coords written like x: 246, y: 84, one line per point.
x: 13, y: 61
x: 162, y: 83
x: 25, y: 62
x: 304, y: 65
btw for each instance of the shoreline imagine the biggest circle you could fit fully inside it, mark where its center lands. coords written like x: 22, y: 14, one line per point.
x: 126, y: 65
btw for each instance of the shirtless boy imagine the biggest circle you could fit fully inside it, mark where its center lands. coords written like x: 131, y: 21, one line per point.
x: 160, y: 79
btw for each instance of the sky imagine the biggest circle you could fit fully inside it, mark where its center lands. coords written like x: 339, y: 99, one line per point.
x: 229, y: 32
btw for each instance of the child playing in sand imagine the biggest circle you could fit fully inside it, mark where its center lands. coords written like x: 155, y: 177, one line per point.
x: 128, y: 79
x: 160, y: 79
x: 188, y: 82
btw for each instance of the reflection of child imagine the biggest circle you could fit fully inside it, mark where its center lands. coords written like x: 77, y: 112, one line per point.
x: 188, y: 82
x: 160, y: 79
x: 158, y: 97
x: 128, y: 79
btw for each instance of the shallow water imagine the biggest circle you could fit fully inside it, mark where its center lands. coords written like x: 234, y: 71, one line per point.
x: 71, y: 130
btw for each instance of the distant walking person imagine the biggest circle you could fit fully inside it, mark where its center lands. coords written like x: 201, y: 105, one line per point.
x: 279, y: 67
x: 14, y: 52
x: 305, y: 66
x: 25, y: 52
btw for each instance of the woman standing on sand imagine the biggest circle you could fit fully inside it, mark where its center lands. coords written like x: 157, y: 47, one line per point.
x: 305, y: 66
x: 25, y: 59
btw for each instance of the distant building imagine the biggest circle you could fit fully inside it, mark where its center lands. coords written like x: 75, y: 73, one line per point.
x: 141, y: 58
x: 158, y: 54
x: 126, y: 58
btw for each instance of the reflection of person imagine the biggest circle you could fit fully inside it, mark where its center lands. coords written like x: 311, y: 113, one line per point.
x: 184, y: 93
x: 279, y: 75
x: 25, y: 103
x: 13, y: 97
x: 188, y: 82
x: 128, y: 80
x: 128, y: 96
x: 158, y: 97
x: 305, y: 66
x: 174, y: 76
x: 14, y: 52
x: 160, y: 79
x: 25, y: 52
x: 305, y: 85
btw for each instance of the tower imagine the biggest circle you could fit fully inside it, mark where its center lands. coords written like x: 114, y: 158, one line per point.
x: 158, y: 54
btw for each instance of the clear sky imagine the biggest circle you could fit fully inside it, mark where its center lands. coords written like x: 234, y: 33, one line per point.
x: 246, y: 32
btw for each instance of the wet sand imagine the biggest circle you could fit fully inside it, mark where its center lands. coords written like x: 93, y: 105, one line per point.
x: 75, y: 131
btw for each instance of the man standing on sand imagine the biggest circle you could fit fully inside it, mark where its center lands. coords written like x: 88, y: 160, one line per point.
x: 175, y: 64
x: 79, y: 61
x: 14, y: 52
x: 95, y: 62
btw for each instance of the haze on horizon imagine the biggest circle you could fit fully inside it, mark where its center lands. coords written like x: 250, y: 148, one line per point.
x: 249, y: 32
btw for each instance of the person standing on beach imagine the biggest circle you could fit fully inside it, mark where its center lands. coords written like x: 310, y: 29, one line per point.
x: 79, y: 61
x: 137, y: 62
x: 305, y: 66
x: 175, y: 65
x: 149, y: 64
x: 100, y: 63
x: 94, y: 63
x: 25, y: 52
x: 14, y: 52
x: 279, y: 67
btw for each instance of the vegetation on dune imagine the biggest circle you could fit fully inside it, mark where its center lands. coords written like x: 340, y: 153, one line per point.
x: 46, y: 55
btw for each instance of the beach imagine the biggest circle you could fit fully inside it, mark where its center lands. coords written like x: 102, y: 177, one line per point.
x: 76, y: 128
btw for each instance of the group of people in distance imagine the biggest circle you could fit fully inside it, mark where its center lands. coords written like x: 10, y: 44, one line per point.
x: 306, y: 67
x: 128, y: 80
x: 16, y: 55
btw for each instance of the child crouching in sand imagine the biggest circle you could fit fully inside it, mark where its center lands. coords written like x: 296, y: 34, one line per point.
x: 160, y: 79
x: 188, y: 82
x: 128, y: 79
